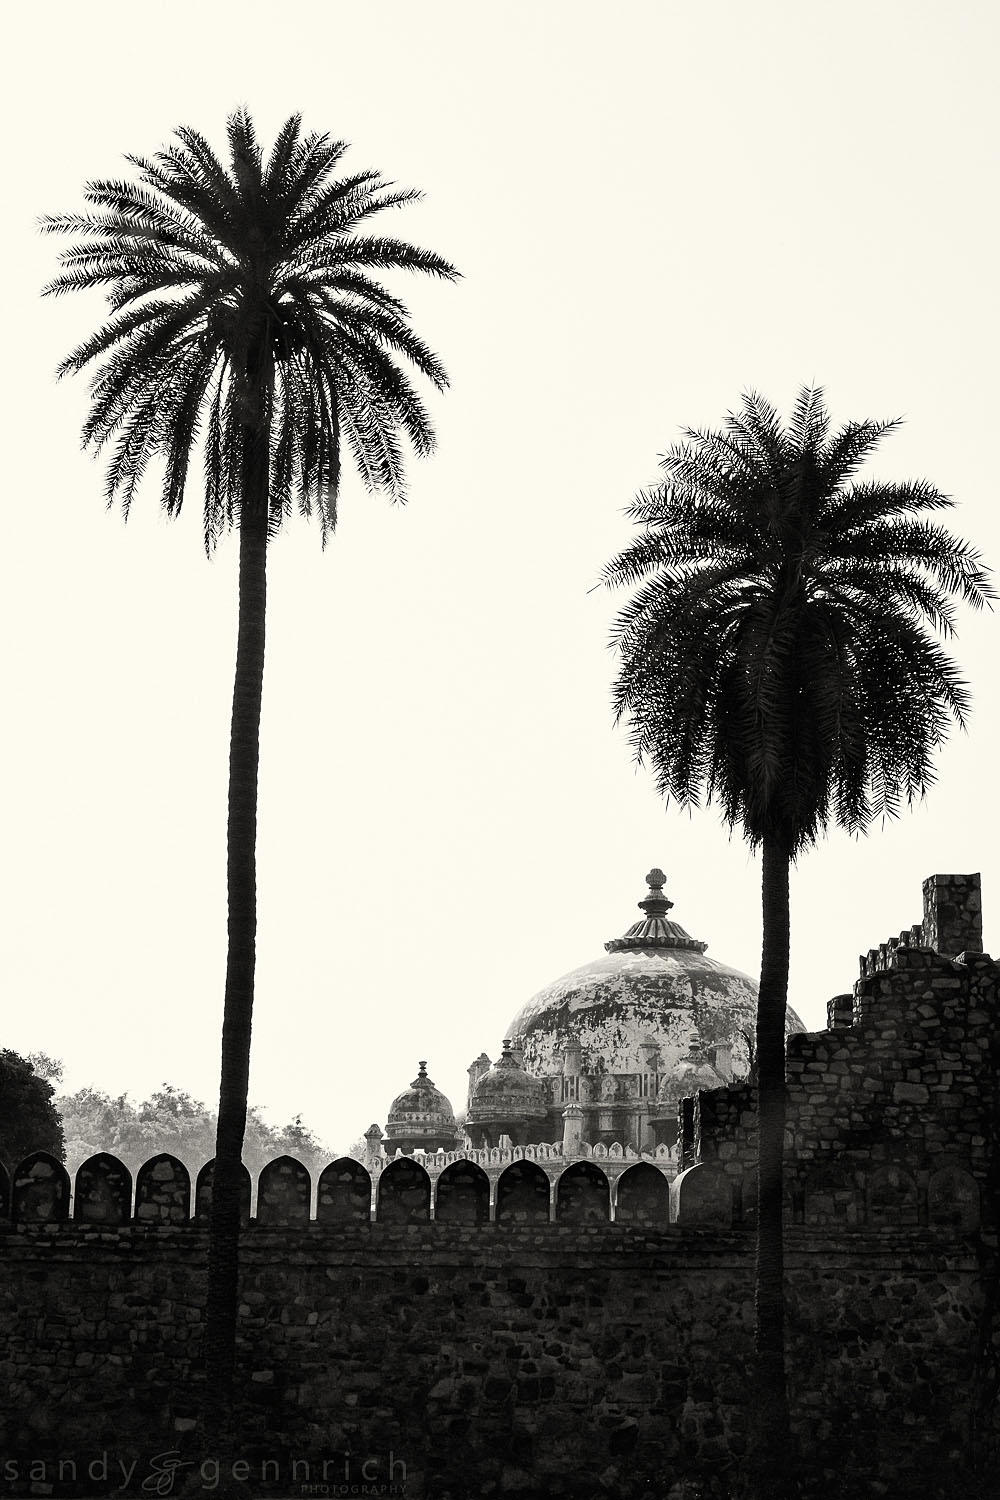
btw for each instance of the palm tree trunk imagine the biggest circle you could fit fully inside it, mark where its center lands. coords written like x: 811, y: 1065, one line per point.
x: 224, y: 1223
x: 773, y: 1460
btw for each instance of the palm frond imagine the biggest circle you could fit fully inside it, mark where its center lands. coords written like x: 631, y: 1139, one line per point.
x: 243, y: 303
x: 778, y: 653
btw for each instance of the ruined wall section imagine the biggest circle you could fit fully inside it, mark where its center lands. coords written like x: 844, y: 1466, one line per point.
x: 893, y: 1113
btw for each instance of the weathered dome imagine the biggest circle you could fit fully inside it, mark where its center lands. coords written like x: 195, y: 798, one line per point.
x: 653, y: 1002
x: 420, y: 1116
x: 506, y: 1093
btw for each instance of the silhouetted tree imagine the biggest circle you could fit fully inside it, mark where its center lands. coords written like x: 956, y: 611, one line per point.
x: 245, y: 314
x: 778, y: 658
x: 28, y: 1119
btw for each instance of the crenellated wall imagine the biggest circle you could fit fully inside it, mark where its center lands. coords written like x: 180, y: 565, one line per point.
x: 527, y: 1323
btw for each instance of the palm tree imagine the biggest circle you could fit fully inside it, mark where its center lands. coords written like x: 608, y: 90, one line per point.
x: 245, y: 318
x: 778, y: 658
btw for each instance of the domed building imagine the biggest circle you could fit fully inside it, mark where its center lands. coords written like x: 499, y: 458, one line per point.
x: 629, y: 1034
x: 505, y: 1100
x: 602, y: 1056
x: 421, y: 1118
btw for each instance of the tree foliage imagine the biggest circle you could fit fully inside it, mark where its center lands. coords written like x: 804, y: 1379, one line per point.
x: 244, y: 301
x: 779, y: 655
x: 28, y: 1119
x: 172, y: 1120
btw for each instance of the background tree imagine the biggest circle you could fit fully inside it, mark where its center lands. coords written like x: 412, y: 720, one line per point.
x: 243, y: 308
x: 28, y: 1119
x: 779, y: 658
x: 172, y: 1120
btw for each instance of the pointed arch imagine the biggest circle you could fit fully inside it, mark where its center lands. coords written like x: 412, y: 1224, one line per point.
x: 344, y: 1195
x: 163, y: 1191
x: 523, y: 1194
x: 583, y: 1195
x: 643, y: 1196
x: 404, y: 1193
x: 462, y: 1195
x: 103, y: 1191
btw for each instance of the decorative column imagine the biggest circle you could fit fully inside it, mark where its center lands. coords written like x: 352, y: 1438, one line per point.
x: 572, y: 1130
x: 373, y: 1145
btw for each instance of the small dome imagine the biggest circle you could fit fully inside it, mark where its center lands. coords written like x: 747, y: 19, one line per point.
x: 692, y: 1073
x: 420, y: 1116
x: 506, y: 1092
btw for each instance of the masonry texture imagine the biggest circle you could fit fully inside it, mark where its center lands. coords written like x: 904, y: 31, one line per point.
x: 534, y: 1357
x: 560, y: 1361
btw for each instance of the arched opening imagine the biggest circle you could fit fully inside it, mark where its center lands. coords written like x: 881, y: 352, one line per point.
x: 103, y: 1191
x: 284, y: 1189
x: 892, y: 1199
x: 463, y: 1194
x: 953, y: 1200
x: 41, y: 1190
x: 162, y: 1191
x: 404, y: 1193
x: 643, y: 1196
x: 344, y: 1195
x: 583, y: 1195
x: 203, y: 1194
x: 523, y: 1195
x: 831, y: 1196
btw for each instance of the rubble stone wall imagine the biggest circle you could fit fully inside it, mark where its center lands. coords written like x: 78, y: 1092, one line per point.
x: 479, y: 1360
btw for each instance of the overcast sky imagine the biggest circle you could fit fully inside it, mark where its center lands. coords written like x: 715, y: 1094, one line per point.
x: 655, y: 208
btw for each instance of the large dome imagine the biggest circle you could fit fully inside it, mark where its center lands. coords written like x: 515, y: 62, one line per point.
x: 650, y: 1003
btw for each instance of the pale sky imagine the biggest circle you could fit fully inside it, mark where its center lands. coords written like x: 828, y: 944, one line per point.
x: 655, y: 208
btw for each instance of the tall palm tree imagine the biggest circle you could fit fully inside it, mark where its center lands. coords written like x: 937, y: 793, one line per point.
x: 778, y: 657
x: 245, y: 318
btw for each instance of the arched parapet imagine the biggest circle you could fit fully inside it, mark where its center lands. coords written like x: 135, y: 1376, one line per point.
x: 40, y: 1191
x: 832, y: 1195
x: 404, y: 1193
x: 203, y: 1194
x: 583, y: 1195
x: 893, y: 1201
x: 103, y: 1191
x: 162, y: 1191
x: 643, y: 1196
x: 523, y: 1195
x: 953, y: 1200
x: 284, y: 1192
x: 462, y: 1195
x: 344, y: 1195
x: 702, y: 1196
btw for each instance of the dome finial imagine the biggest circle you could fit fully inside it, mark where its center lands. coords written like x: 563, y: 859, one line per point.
x: 656, y: 903
x: 655, y: 930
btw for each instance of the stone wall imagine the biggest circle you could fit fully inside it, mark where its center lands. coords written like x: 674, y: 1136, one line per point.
x: 893, y: 1113
x: 540, y: 1347
x: 481, y: 1360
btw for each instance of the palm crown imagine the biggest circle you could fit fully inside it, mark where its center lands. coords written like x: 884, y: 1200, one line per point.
x: 779, y: 655
x: 243, y: 305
